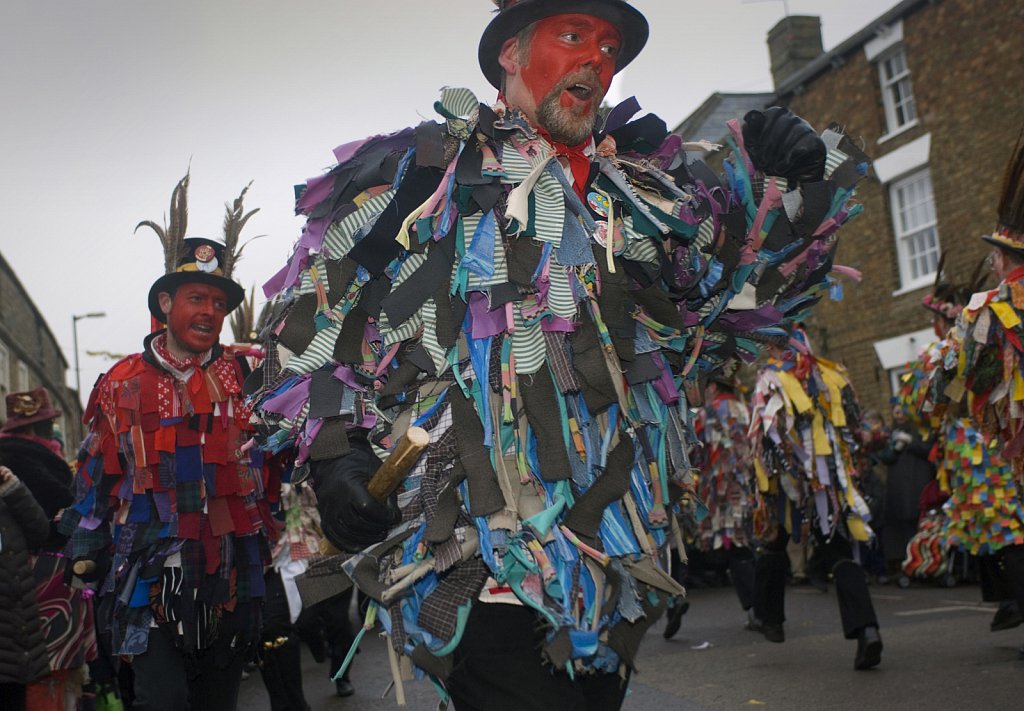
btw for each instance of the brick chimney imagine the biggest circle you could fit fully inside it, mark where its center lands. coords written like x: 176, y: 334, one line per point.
x: 792, y: 44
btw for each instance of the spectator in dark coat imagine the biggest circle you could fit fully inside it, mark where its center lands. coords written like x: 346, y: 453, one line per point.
x: 909, y: 473
x: 23, y: 656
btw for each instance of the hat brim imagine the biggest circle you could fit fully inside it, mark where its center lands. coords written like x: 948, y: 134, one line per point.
x: 16, y: 421
x: 626, y: 18
x: 1006, y: 244
x: 170, y: 282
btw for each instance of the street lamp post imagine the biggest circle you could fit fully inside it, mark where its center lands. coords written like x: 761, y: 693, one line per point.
x: 74, y: 337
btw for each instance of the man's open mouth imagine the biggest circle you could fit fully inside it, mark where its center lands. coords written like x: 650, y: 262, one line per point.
x: 583, y: 92
x: 202, y: 328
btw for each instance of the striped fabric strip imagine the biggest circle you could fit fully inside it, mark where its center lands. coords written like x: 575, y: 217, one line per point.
x: 459, y: 102
x: 561, y: 301
x: 705, y: 234
x: 437, y: 353
x: 410, y: 264
x: 527, y: 344
x: 641, y: 250
x: 391, y: 335
x: 833, y: 160
x: 516, y: 166
x: 339, y: 237
x: 550, y: 207
x: 319, y: 351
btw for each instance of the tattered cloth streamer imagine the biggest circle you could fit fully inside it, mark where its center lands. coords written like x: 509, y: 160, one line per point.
x: 324, y: 579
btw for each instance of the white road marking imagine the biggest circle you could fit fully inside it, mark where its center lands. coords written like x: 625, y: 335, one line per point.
x: 933, y: 610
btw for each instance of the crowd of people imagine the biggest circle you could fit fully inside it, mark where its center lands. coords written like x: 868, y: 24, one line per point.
x: 557, y: 299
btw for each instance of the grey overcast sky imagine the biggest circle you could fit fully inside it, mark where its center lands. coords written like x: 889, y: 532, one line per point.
x: 105, y: 102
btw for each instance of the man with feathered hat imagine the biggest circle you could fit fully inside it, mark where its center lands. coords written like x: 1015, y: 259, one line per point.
x: 989, y: 384
x: 171, y: 517
x: 532, y: 285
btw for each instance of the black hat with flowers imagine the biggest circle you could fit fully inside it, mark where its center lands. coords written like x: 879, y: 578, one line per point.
x: 197, y: 260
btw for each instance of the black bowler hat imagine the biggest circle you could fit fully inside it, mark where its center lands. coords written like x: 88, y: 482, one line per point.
x: 515, y: 15
x: 202, y: 263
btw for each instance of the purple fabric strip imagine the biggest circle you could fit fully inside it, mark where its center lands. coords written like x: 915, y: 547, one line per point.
x: 665, y: 386
x: 317, y: 190
x: 162, y: 499
x: 766, y: 315
x: 289, y: 403
x: 90, y: 522
x: 667, y: 151
x: 622, y: 113
x: 345, y: 151
x: 483, y: 321
x: 347, y: 376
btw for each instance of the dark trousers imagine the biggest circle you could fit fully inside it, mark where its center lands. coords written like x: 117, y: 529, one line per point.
x: 498, y: 667
x: 1005, y: 575
x: 280, y: 664
x: 743, y: 573
x: 166, y: 679
x: 855, y: 608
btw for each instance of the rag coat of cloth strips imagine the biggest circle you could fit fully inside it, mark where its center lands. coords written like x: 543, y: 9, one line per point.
x: 804, y: 432
x: 983, y: 513
x: 164, y: 478
x: 989, y: 364
x: 539, y: 325
x: 726, y: 482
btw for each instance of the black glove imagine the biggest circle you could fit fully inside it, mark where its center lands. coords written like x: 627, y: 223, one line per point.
x: 349, y: 517
x: 781, y: 143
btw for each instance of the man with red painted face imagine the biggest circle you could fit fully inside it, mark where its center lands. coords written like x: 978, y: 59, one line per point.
x: 531, y: 285
x: 171, y: 519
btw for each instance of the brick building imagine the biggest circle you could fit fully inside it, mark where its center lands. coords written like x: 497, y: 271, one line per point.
x: 30, y: 356
x: 934, y: 91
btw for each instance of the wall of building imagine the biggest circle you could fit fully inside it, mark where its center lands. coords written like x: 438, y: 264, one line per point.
x: 33, y: 354
x: 966, y: 61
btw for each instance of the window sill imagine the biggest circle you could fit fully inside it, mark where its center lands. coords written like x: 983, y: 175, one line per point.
x: 915, y: 286
x: 899, y: 131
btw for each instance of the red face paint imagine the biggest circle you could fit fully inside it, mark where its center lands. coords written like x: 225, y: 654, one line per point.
x: 195, y: 319
x: 564, y: 45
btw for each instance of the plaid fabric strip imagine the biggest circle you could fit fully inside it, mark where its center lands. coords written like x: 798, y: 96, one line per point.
x: 462, y: 584
x: 558, y: 359
x: 189, y: 496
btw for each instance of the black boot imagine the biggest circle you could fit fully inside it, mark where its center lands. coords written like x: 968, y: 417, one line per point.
x: 774, y: 633
x: 343, y: 687
x: 1007, y: 617
x: 675, y: 618
x: 869, y: 649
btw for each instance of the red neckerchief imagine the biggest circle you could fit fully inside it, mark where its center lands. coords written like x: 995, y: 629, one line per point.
x: 182, y: 364
x: 1016, y: 275
x: 579, y: 162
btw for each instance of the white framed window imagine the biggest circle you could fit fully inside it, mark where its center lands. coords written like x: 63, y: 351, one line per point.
x: 914, y: 223
x: 897, y: 91
x: 22, y: 376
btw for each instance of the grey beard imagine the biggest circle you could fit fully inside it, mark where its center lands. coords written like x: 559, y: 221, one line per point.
x: 563, y: 124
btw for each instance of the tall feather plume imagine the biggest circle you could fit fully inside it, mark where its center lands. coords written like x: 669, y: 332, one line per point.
x: 245, y: 326
x: 172, y: 235
x: 1011, y: 199
x: 235, y: 218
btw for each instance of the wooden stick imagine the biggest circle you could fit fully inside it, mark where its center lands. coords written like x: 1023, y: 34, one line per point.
x: 393, y: 472
x: 83, y: 567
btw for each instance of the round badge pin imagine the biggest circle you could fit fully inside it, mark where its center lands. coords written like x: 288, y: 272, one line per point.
x: 204, y: 253
x: 598, y: 203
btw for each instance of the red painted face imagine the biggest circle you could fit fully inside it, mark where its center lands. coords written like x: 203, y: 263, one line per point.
x: 194, y: 318
x: 569, y: 70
